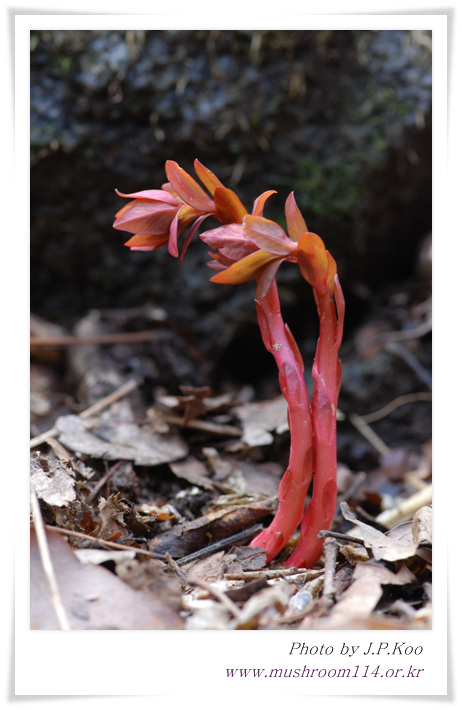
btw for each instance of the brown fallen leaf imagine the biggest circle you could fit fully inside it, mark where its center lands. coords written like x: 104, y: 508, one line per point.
x: 236, y: 561
x: 363, y: 595
x: 398, y: 543
x: 422, y: 526
x: 92, y: 597
x: 264, y: 606
x: 52, y: 480
x: 193, y: 471
x: 260, y: 419
x: 183, y: 539
x: 114, y: 440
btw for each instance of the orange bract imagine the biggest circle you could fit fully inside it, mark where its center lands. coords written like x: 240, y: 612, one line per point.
x: 245, y: 269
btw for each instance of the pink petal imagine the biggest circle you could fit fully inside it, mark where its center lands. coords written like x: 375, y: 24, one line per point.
x: 191, y: 234
x: 147, y: 241
x: 266, y: 278
x: 158, y: 195
x: 230, y: 242
x: 209, y: 179
x: 246, y: 269
x: 229, y: 207
x: 260, y: 202
x: 173, y: 236
x: 145, y: 217
x: 296, y: 225
x: 187, y: 188
x: 268, y: 235
x: 220, y: 236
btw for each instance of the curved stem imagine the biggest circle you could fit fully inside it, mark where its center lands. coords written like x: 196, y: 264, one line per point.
x: 293, y: 487
x: 327, y: 375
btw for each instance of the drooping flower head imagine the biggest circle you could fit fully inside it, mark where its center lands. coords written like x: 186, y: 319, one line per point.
x: 246, y: 245
x: 158, y: 217
x: 258, y: 247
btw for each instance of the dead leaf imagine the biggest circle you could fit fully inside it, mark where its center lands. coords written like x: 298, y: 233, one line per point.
x: 422, y: 526
x: 390, y: 547
x: 260, y: 419
x: 52, y: 480
x: 193, y: 471
x: 264, y: 606
x: 92, y: 597
x: 183, y: 539
x: 116, y: 440
x: 150, y: 575
x: 363, y: 595
x: 210, y: 569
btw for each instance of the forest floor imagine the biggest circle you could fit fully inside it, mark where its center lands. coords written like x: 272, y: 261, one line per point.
x: 145, y: 497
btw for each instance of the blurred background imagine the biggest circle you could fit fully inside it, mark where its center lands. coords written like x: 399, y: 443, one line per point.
x: 343, y: 118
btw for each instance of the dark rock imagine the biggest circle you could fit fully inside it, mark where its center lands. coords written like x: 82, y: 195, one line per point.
x: 341, y: 117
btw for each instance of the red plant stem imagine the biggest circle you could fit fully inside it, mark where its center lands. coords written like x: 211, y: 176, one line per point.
x: 327, y: 375
x: 293, y: 487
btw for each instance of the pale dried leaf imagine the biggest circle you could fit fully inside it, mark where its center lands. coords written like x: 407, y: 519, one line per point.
x: 193, y: 471
x: 422, y: 525
x: 384, y: 547
x: 260, y: 419
x: 363, y: 595
x: 52, y: 480
x: 264, y: 606
x: 92, y: 597
x: 122, y: 440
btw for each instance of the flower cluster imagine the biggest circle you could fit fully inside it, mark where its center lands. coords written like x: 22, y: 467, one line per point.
x: 248, y: 246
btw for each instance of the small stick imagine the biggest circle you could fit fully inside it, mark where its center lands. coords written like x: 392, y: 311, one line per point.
x: 330, y: 549
x: 275, y: 574
x: 365, y: 430
x: 108, y: 543
x: 399, y: 513
x: 221, y: 596
x: 200, y: 425
x: 408, y: 507
x: 103, y: 480
x: 395, y: 403
x: 47, y: 563
x: 396, y: 335
x: 357, y: 482
x: 220, y: 544
x: 94, y: 409
x: 412, y: 362
x: 61, y: 341
x: 175, y: 568
x: 339, y: 536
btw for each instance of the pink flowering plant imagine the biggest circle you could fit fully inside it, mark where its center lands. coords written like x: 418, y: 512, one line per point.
x: 247, y: 246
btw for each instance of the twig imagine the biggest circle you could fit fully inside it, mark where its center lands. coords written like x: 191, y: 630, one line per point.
x: 61, y: 341
x: 330, y: 549
x: 417, y: 332
x: 221, y: 596
x: 221, y: 544
x: 340, y: 536
x: 103, y: 480
x: 411, y: 361
x: 94, y: 409
x: 107, y: 543
x: 297, y: 616
x: 200, y: 425
x: 408, y: 507
x: 175, y: 568
x: 395, y: 403
x: 47, y: 563
x: 274, y: 574
x: 357, y: 482
x: 369, y: 434
x: 399, y: 513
